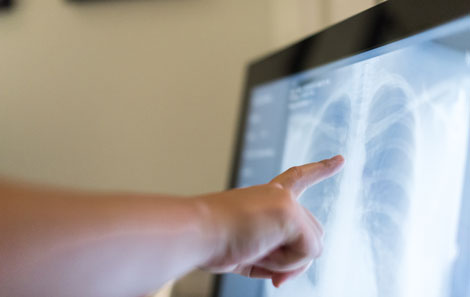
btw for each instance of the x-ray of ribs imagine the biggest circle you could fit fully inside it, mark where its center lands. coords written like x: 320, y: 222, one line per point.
x: 366, y: 207
x: 379, y: 131
x: 387, y: 178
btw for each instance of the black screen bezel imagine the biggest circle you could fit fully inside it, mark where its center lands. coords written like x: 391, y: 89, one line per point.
x: 378, y: 26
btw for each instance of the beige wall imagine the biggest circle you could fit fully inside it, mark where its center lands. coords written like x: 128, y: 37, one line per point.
x: 292, y: 20
x: 139, y: 95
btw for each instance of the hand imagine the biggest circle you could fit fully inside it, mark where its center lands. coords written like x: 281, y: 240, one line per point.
x: 262, y: 231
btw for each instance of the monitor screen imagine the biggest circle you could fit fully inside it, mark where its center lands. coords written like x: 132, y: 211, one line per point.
x: 396, y: 218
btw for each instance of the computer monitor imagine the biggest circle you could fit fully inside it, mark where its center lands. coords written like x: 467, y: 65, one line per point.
x: 390, y: 90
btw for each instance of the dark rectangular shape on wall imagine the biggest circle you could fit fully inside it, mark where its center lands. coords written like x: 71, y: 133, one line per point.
x: 5, y: 4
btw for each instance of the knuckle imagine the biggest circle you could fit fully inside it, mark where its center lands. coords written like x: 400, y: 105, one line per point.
x: 317, y: 248
x: 326, y: 163
x: 313, y: 236
x: 318, y: 227
x: 276, y: 188
x: 295, y: 172
x: 304, y: 254
x: 279, y: 192
x: 319, y: 251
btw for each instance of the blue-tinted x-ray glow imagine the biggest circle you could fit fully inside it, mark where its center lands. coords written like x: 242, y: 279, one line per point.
x: 393, y: 216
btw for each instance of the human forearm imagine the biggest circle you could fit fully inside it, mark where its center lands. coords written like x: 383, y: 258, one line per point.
x: 64, y: 243
x: 72, y: 243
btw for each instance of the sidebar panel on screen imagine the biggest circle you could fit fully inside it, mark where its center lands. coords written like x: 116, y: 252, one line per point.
x: 264, y: 137
x: 260, y: 160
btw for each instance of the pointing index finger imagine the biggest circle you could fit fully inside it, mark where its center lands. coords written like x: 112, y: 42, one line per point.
x: 297, y: 179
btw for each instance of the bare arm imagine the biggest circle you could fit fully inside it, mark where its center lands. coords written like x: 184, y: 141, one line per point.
x: 71, y: 243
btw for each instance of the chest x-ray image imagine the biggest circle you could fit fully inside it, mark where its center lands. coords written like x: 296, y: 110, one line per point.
x: 393, y: 215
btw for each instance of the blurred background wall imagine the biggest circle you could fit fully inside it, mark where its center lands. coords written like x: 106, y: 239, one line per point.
x: 138, y: 95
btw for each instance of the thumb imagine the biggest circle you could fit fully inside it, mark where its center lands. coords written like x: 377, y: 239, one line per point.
x: 297, y: 179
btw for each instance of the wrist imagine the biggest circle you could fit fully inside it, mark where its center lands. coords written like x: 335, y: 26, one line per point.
x: 211, y: 230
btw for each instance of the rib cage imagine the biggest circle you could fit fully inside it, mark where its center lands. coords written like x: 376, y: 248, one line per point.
x: 388, y: 133
x: 387, y: 176
x: 395, y: 128
x: 329, y: 138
